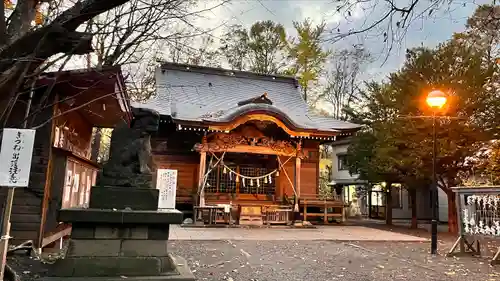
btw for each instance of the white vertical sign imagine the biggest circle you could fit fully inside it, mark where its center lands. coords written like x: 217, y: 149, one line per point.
x: 166, y: 182
x: 15, y: 157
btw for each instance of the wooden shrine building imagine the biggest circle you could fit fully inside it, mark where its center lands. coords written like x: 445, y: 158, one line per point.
x: 65, y: 108
x: 238, y: 138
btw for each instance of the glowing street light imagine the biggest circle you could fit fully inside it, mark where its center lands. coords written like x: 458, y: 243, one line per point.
x: 436, y: 100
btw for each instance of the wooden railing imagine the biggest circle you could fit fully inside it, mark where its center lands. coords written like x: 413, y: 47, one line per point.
x: 245, y: 214
x: 478, y: 213
x: 329, y: 208
x: 275, y: 214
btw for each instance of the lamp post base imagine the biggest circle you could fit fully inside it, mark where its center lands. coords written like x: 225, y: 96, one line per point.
x: 434, y: 237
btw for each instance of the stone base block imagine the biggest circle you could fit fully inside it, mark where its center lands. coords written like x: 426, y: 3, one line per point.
x: 122, y: 231
x: 109, y: 266
x: 180, y: 272
x: 115, y: 197
x: 120, y: 217
x: 108, y: 244
x: 117, y: 248
x: 125, y: 179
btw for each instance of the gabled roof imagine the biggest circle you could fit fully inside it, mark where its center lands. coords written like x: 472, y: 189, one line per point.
x: 190, y: 93
x: 101, y: 93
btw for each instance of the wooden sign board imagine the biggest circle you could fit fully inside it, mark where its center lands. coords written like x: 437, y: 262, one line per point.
x: 166, y: 182
x: 15, y: 157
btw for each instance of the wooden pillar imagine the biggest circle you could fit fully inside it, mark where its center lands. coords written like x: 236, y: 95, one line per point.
x: 297, y: 172
x: 297, y: 185
x: 201, y: 173
x: 201, y: 176
x: 297, y: 169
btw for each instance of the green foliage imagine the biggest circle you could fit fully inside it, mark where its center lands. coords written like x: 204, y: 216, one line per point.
x: 489, y: 166
x: 307, y: 55
x: 262, y: 49
x: 235, y: 47
x: 397, y: 143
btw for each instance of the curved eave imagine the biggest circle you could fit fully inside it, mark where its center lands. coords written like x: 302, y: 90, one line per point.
x: 244, y: 114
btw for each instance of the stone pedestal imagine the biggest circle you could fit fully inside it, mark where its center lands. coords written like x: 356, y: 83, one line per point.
x: 116, y: 243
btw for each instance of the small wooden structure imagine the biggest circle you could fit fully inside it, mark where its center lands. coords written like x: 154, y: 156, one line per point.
x: 478, y: 211
x: 66, y: 106
x: 327, y: 208
x: 239, y: 139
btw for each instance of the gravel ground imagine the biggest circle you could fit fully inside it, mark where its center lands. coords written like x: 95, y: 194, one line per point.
x: 317, y: 260
x: 325, y: 260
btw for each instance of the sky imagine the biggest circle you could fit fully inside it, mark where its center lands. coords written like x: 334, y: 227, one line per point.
x: 423, y: 31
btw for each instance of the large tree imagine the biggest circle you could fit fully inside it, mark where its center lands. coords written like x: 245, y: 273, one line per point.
x: 369, y: 156
x: 342, y: 89
x: 24, y: 47
x: 130, y: 33
x: 404, y: 140
x: 307, y: 55
x: 261, y: 49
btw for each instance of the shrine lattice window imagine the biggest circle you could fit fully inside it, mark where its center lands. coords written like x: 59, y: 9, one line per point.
x: 219, y: 181
x: 211, y: 185
x: 227, y: 181
x: 260, y: 186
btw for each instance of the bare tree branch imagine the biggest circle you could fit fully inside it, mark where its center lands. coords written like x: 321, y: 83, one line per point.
x: 389, y: 19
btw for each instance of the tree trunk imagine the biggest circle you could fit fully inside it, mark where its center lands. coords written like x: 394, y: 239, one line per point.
x: 388, y: 204
x: 413, y: 199
x: 26, y: 53
x: 96, y: 145
x: 452, y: 212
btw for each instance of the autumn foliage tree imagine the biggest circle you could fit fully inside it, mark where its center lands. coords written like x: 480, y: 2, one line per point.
x: 402, y: 143
x: 261, y: 48
x: 307, y: 55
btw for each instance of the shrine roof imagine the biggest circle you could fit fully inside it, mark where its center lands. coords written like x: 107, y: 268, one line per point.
x: 204, y: 94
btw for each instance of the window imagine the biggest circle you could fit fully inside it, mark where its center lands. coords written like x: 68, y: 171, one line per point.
x: 260, y: 186
x: 220, y: 180
x: 342, y: 162
x: 349, y: 193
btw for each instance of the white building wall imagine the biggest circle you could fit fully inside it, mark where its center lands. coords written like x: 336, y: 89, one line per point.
x: 343, y: 174
x: 424, y: 208
x: 424, y: 211
x: 443, y: 205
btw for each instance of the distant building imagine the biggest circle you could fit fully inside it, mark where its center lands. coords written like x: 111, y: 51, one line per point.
x: 369, y: 198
